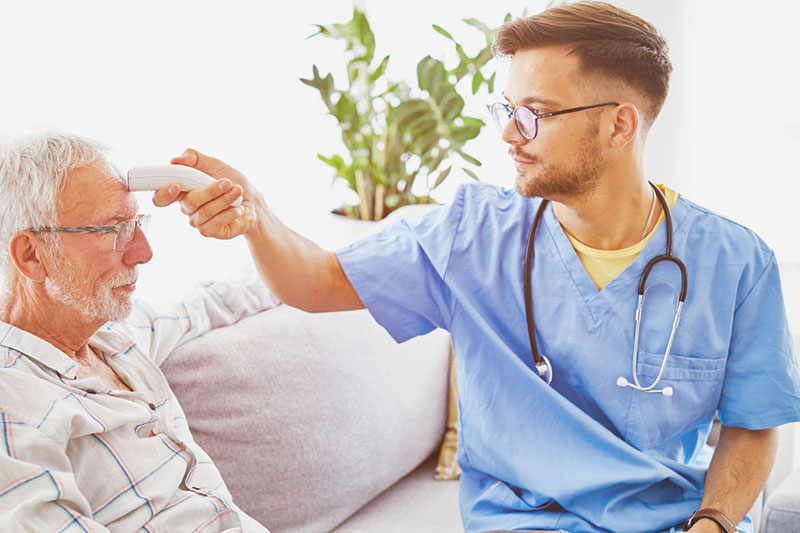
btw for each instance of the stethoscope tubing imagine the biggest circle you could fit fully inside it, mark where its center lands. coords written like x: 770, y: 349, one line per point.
x: 542, y: 363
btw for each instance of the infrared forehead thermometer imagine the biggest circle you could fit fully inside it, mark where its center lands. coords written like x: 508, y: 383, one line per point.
x: 154, y: 177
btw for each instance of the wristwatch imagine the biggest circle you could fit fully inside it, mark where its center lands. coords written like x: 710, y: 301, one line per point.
x: 715, y: 516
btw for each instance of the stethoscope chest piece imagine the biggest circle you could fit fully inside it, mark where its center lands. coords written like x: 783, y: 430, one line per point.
x: 545, y: 369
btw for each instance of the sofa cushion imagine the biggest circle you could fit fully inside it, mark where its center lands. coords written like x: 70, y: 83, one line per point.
x: 417, y: 503
x: 309, y: 416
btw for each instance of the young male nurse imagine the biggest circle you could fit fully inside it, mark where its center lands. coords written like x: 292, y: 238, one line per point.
x: 583, y: 453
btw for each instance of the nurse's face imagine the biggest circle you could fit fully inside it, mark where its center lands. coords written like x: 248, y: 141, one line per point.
x: 565, y: 159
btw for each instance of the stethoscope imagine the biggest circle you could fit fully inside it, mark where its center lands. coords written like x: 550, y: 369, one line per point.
x: 542, y: 363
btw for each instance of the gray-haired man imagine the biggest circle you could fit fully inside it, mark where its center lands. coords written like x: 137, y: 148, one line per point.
x: 91, y: 436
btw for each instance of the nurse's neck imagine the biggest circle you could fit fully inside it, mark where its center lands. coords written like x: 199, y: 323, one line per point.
x: 613, y: 215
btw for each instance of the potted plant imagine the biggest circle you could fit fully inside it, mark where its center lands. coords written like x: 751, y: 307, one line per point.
x: 399, y: 136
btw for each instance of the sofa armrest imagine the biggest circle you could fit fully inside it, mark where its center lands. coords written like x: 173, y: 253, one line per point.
x: 782, y: 510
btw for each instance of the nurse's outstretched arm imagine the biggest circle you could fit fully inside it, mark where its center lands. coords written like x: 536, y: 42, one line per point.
x: 295, y: 269
x: 739, y: 469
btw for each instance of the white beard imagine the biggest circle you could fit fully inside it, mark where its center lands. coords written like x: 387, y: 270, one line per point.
x: 71, y: 289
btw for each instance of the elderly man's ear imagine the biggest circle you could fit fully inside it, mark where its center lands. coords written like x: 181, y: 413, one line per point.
x: 25, y: 251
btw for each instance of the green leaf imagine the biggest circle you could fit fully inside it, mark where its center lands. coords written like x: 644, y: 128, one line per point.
x: 442, y: 175
x: 380, y: 70
x: 471, y: 174
x: 346, y: 113
x: 490, y: 82
x: 352, y: 71
x: 466, y: 132
x: 365, y: 33
x: 451, y: 105
x: 323, y: 85
x: 393, y: 88
x: 356, y: 34
x: 315, y: 81
x: 422, y: 127
x: 463, y: 64
x: 483, y: 57
x: 431, y: 74
x: 427, y: 142
x: 477, y: 80
x: 432, y: 163
x: 328, y: 160
x: 410, y: 111
x: 475, y: 23
x: 469, y: 158
x: 473, y: 122
x: 311, y: 83
x: 442, y: 31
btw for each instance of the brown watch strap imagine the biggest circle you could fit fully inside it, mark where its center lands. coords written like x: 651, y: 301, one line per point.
x: 718, y: 517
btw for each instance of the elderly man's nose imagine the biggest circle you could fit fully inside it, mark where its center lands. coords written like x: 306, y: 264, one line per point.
x: 139, y: 251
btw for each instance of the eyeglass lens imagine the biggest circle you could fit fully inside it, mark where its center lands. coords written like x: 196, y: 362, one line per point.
x: 127, y: 231
x: 523, y: 117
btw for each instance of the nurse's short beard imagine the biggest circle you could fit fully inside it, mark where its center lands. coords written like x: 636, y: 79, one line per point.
x: 558, y: 183
x: 73, y: 290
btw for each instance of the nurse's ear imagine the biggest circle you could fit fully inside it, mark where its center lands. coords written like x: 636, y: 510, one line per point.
x: 625, y: 124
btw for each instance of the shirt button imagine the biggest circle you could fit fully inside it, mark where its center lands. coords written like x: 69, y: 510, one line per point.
x: 152, y: 406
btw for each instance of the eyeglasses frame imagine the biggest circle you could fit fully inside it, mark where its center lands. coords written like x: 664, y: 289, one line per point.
x: 537, y: 116
x: 140, y: 221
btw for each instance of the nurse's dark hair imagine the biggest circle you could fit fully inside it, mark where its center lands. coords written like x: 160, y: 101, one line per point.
x: 609, y: 41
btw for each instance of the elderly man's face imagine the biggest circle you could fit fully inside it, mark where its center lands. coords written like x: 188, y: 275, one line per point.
x: 88, y: 275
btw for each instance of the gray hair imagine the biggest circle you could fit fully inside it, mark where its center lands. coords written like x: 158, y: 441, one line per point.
x: 33, y: 172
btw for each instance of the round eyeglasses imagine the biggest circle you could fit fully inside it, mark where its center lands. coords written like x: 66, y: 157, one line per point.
x: 124, y: 230
x: 526, y: 119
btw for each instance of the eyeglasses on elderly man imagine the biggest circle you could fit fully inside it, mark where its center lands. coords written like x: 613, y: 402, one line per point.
x: 124, y: 231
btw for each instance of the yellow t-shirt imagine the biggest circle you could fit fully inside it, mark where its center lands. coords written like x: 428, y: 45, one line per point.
x: 605, y: 265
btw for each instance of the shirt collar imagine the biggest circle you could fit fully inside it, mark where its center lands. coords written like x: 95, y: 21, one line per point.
x: 37, y: 349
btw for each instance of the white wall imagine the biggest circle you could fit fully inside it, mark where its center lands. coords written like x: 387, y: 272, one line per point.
x: 151, y: 78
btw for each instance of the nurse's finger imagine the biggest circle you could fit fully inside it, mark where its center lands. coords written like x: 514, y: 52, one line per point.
x: 189, y: 158
x: 197, y: 198
x: 168, y: 194
x: 230, y: 223
x: 213, y: 208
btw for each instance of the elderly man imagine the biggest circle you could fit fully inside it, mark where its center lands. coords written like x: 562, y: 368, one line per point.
x: 91, y: 436
x: 603, y: 426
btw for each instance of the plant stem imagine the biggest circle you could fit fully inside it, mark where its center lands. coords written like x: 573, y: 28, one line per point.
x: 362, y: 194
x: 379, y: 191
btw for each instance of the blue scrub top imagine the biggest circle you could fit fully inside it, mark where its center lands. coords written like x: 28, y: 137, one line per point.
x: 584, y: 454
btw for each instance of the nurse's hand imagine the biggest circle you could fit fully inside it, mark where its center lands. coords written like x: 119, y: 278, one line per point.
x: 209, y: 207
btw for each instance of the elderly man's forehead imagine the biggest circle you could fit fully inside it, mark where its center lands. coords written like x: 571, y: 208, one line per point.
x: 96, y: 194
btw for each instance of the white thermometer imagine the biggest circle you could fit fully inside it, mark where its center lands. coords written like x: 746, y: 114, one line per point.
x: 154, y: 177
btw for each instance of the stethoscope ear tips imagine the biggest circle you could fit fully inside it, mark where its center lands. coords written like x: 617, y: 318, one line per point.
x: 622, y: 382
x: 667, y: 391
